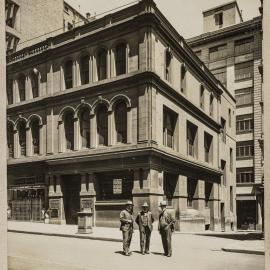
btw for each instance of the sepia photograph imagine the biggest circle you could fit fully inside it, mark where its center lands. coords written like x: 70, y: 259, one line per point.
x: 135, y: 134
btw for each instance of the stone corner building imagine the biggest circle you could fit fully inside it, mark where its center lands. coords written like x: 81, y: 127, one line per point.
x: 119, y: 108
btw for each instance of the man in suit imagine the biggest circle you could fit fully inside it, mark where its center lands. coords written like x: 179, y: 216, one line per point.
x: 166, y: 227
x: 145, y: 219
x: 126, y: 220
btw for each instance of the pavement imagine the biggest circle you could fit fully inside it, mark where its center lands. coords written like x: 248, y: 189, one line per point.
x: 241, y: 242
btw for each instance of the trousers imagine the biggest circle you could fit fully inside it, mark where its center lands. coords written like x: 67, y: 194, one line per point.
x: 145, y: 234
x: 127, y: 236
x: 166, y: 237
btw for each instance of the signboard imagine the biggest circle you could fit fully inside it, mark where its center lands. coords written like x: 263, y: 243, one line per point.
x: 54, y: 204
x: 86, y: 204
x: 117, y: 186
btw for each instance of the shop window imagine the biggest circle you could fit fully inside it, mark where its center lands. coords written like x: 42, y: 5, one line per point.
x: 10, y: 140
x: 244, y: 97
x: 169, y: 124
x: 69, y: 131
x: 120, y: 115
x: 115, y: 186
x: 21, y: 86
x: 207, y: 191
x: 22, y: 138
x: 208, y: 148
x: 102, y: 125
x: 68, y: 74
x: 121, y: 59
x: 84, y: 69
x: 85, y: 128
x: 35, y: 85
x: 35, y: 136
x: 102, y: 64
x: 192, y: 142
x: 191, y: 189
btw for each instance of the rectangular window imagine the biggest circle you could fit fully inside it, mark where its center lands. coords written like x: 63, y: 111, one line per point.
x: 219, y: 19
x: 207, y: 191
x: 169, y: 123
x: 231, y: 198
x: 244, y: 149
x: 192, y: 142
x: 244, y: 175
x: 244, y: 123
x: 231, y: 159
x: 244, y: 71
x: 223, y: 168
x: 220, y: 74
x: 223, y: 129
x: 243, y: 46
x: 211, y: 105
x: 191, y: 189
x: 217, y: 52
x: 183, y: 78
x: 208, y: 148
x: 244, y: 97
x: 202, y: 97
x: 230, y: 117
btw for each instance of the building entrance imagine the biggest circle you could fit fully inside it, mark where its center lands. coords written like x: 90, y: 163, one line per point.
x: 71, y: 186
x: 246, y: 214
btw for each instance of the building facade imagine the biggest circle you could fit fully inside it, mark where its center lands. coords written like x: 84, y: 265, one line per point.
x: 232, y: 50
x: 119, y: 108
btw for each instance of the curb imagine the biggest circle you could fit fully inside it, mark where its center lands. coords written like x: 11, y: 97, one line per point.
x: 87, y: 237
x: 246, y: 251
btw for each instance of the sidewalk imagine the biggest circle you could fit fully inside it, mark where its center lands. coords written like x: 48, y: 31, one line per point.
x: 241, y: 242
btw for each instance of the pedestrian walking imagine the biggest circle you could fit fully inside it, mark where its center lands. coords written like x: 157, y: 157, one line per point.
x: 145, y: 219
x: 166, y: 227
x: 126, y: 220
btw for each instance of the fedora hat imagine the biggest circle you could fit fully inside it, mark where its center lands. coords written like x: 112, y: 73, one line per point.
x: 163, y: 203
x: 129, y: 203
x: 145, y: 204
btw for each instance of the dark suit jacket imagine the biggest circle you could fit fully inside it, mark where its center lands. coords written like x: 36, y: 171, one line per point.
x: 126, y: 220
x: 169, y: 220
x: 139, y: 220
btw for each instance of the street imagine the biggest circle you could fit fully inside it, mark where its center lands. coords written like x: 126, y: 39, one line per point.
x: 27, y: 251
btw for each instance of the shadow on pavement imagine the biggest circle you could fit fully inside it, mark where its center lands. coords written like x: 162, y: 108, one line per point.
x: 237, y: 236
x: 158, y: 253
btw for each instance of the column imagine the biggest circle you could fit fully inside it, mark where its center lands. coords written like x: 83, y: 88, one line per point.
x: 16, y: 144
x: 90, y: 68
x: 129, y: 125
x: 14, y: 91
x: 199, y: 196
x: 259, y: 212
x: 74, y: 77
x: 109, y: 63
x: 60, y: 137
x: 113, y: 70
x: 111, y: 128
x: 29, y: 145
x: 76, y: 134
x: 49, y: 84
x: 214, y: 208
x: 41, y: 140
x: 28, y: 92
x: 93, y: 131
x: 51, y: 129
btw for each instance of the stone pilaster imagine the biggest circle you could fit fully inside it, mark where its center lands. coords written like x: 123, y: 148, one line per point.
x: 214, y: 208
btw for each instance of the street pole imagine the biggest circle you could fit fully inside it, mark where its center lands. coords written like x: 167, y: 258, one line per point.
x: 3, y: 163
x: 266, y: 92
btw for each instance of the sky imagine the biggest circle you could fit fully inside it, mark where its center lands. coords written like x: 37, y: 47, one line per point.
x: 185, y: 16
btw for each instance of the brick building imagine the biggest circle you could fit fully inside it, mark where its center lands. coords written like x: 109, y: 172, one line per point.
x: 232, y: 50
x: 119, y: 108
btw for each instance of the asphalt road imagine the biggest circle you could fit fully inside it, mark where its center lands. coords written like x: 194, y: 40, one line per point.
x: 190, y: 252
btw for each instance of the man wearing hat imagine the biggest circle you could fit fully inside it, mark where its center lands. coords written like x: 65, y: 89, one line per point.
x: 145, y: 219
x: 126, y: 220
x: 166, y: 227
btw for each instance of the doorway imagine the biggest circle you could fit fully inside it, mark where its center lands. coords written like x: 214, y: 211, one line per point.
x: 222, y: 215
x: 71, y: 187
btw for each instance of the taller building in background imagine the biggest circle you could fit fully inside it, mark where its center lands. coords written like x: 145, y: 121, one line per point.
x: 232, y: 50
x: 31, y: 21
x: 119, y: 109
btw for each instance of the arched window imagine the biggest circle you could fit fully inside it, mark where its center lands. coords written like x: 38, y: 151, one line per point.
x: 35, y: 136
x: 22, y: 138
x: 85, y: 128
x: 102, y: 64
x: 84, y: 69
x: 35, y: 85
x: 21, y: 86
x: 69, y: 131
x: 10, y: 140
x: 120, y: 59
x: 120, y: 115
x: 102, y: 125
x: 68, y: 74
